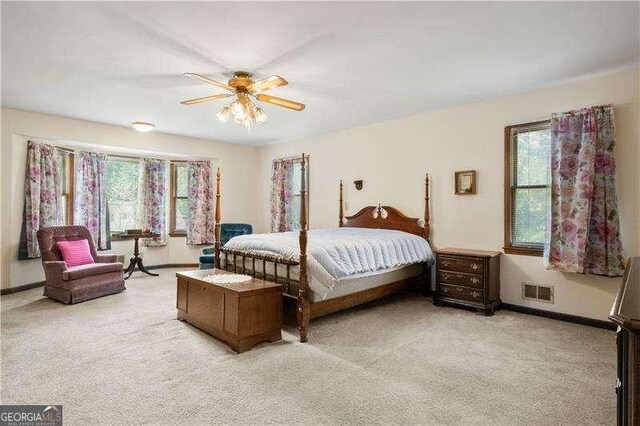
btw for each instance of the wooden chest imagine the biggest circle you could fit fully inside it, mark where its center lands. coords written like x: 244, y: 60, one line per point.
x: 242, y: 314
x: 468, y: 277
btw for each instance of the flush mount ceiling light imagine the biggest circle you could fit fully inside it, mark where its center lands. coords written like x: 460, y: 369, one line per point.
x: 242, y: 110
x: 142, y: 127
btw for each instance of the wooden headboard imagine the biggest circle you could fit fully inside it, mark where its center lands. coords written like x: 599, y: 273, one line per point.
x: 387, y: 217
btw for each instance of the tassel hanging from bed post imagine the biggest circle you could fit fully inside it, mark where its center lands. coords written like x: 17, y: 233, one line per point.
x: 303, y: 307
x: 216, y: 229
x: 341, y: 215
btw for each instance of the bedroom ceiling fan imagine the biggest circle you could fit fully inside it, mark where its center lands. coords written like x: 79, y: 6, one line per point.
x: 242, y: 86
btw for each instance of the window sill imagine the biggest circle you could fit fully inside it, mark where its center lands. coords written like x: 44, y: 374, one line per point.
x: 523, y: 251
x: 120, y: 237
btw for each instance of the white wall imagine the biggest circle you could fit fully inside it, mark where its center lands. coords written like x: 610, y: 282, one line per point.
x: 239, y: 181
x: 392, y: 158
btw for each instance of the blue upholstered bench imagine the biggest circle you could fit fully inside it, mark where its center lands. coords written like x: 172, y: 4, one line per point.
x: 227, y: 231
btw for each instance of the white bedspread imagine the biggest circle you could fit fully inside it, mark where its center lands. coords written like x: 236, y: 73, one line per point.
x: 334, y: 254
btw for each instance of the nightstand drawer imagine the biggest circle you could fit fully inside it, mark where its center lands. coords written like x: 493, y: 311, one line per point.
x: 470, y: 265
x: 461, y: 278
x: 463, y: 293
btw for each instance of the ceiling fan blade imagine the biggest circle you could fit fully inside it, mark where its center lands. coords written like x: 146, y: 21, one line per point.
x: 208, y: 80
x: 206, y: 98
x: 267, y: 84
x: 280, y: 102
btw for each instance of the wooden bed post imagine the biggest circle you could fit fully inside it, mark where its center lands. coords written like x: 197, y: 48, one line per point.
x: 426, y: 207
x: 303, y: 314
x: 341, y: 214
x: 216, y: 231
x: 426, y: 290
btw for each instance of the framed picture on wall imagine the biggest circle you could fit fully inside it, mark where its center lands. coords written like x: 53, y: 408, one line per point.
x: 465, y: 182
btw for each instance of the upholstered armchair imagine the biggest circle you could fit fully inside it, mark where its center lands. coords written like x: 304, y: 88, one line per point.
x: 227, y: 231
x: 78, y: 283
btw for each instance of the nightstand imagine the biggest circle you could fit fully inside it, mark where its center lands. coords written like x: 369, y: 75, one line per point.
x: 469, y: 278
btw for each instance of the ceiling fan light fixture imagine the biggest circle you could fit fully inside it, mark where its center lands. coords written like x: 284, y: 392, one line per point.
x: 142, y: 126
x: 223, y: 114
x: 261, y: 116
x: 237, y: 108
x: 242, y: 110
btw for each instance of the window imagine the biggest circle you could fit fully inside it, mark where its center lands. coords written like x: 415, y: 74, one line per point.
x: 297, y: 195
x: 122, y: 193
x: 527, y: 194
x: 66, y: 170
x: 179, y: 202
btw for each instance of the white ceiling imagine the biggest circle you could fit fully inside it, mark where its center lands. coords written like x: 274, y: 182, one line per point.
x: 351, y: 63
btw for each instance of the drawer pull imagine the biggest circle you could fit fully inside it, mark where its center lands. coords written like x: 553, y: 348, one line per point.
x: 445, y: 263
x: 475, y: 294
x: 475, y: 266
x: 445, y: 290
x: 475, y: 280
x: 445, y: 276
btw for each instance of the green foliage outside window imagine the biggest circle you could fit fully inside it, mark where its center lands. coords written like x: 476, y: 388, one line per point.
x: 531, y: 181
x: 122, y: 194
x: 182, y: 192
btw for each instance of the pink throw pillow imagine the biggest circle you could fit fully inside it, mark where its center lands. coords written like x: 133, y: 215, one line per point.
x: 75, y: 252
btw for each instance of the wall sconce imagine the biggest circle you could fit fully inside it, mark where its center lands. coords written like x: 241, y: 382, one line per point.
x: 358, y: 184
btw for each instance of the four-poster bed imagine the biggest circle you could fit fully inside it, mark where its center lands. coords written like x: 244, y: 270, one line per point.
x: 287, y: 262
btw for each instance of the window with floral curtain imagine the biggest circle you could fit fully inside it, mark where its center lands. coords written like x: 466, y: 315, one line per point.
x: 286, y: 193
x: 585, y: 224
x: 281, y: 195
x: 153, y: 199
x: 42, y: 190
x: 90, y: 205
x: 200, y: 221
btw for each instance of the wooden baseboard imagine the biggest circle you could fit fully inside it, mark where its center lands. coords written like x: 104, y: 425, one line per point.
x: 559, y: 316
x: 173, y: 265
x: 24, y: 287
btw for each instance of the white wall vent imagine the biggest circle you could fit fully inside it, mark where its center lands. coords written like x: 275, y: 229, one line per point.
x: 540, y: 293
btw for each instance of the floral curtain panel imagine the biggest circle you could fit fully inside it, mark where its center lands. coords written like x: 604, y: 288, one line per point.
x: 42, y: 188
x: 201, y: 221
x: 282, y: 195
x: 585, y: 226
x: 90, y: 204
x: 153, y: 199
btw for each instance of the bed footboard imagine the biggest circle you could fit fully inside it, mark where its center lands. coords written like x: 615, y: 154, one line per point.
x: 258, y: 265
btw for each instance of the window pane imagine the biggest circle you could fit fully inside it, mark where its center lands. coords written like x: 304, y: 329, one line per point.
x: 531, y: 212
x: 181, y: 180
x: 182, y: 214
x: 122, y: 194
x: 63, y: 207
x: 295, y: 212
x: 532, y: 150
x: 297, y: 173
x: 64, y: 168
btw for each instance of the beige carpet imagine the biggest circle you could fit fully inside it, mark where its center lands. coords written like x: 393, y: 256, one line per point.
x: 126, y: 359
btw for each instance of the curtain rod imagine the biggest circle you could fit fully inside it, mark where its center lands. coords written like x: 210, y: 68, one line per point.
x: 582, y: 110
x: 292, y: 157
x: 128, y: 157
x: 79, y: 146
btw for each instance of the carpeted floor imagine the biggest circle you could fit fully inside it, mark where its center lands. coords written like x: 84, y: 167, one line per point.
x: 126, y: 359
